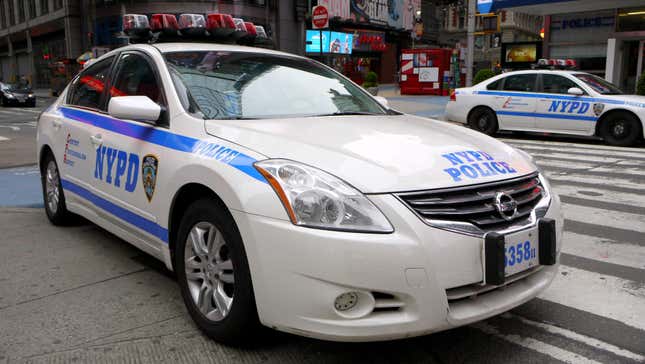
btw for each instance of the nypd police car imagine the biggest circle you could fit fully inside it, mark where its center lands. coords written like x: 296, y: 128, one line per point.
x: 282, y: 194
x: 563, y: 102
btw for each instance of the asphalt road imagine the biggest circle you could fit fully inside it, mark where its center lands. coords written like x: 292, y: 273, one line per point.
x: 79, y: 294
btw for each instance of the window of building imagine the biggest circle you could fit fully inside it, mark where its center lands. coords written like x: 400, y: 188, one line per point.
x: 87, y: 88
x: 44, y: 7
x: 523, y: 83
x: 3, y: 20
x: 21, y: 11
x: 554, y: 84
x: 32, y: 9
x: 12, y: 14
x: 136, y: 78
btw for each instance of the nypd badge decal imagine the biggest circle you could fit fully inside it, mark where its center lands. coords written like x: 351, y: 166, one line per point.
x: 149, y: 174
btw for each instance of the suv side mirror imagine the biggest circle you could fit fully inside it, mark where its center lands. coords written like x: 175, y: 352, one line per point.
x: 139, y: 108
x: 383, y: 101
x: 575, y: 91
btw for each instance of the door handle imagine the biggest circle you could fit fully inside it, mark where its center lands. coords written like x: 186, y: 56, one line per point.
x: 96, y: 139
x: 57, y: 124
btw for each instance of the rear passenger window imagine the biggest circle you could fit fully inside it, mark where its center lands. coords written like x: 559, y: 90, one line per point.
x: 87, y: 89
x: 494, y: 85
x: 523, y: 83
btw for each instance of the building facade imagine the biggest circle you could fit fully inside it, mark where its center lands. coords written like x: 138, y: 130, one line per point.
x: 40, y: 40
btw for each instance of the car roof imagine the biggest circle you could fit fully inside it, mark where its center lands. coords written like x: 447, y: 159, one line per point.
x: 556, y: 72
x: 198, y: 47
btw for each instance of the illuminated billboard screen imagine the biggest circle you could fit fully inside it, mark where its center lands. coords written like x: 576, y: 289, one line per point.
x: 520, y: 55
x: 332, y: 42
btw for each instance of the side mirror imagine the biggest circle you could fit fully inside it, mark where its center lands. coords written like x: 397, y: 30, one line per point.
x: 575, y: 91
x: 383, y: 101
x: 139, y: 108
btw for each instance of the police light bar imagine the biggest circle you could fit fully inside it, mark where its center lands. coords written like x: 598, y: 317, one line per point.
x: 197, y: 27
x: 239, y: 25
x: 261, y: 32
x: 192, y: 24
x: 165, y: 23
x: 220, y: 24
x: 136, y: 25
x: 250, y: 28
x: 553, y: 64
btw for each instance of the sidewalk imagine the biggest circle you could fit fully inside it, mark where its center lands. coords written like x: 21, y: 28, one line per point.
x: 421, y: 105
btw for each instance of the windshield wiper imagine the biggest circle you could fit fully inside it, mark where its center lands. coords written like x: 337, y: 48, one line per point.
x: 343, y: 113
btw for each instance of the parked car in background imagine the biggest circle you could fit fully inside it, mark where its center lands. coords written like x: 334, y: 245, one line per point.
x: 17, y: 94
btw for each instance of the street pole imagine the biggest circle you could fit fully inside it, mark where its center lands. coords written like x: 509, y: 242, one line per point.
x: 470, y: 55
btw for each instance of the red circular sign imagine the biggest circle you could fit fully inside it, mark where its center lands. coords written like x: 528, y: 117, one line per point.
x: 320, y: 17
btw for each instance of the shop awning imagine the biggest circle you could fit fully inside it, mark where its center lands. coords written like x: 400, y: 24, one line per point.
x: 550, y: 7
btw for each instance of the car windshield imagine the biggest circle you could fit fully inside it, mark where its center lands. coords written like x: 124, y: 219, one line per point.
x: 598, y: 84
x: 243, y: 85
x: 15, y: 87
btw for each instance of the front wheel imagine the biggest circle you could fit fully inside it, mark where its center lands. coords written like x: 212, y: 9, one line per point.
x: 483, y: 120
x: 53, y: 194
x: 213, y: 274
x: 621, y: 129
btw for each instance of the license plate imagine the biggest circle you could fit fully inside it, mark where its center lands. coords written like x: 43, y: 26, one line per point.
x: 521, y: 251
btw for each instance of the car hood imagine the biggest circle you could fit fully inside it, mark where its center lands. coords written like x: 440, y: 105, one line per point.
x: 378, y: 154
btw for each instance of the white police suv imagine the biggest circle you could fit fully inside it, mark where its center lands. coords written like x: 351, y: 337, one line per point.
x: 564, y: 102
x: 283, y: 194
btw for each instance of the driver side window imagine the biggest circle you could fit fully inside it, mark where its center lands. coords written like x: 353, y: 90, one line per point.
x: 135, y: 77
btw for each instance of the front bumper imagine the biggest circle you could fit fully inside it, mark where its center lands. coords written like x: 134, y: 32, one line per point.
x: 403, y: 279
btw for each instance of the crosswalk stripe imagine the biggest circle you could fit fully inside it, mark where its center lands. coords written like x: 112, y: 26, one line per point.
x: 597, y: 181
x: 11, y: 112
x: 630, y: 154
x: 535, y: 345
x: 602, y: 217
x: 604, y: 250
x: 599, y: 294
x: 567, y: 145
x: 546, y: 164
x: 33, y: 111
x: 578, y: 337
x: 634, y: 200
x: 568, y: 157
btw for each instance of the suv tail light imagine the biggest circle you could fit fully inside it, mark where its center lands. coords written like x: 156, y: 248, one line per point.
x: 453, y: 95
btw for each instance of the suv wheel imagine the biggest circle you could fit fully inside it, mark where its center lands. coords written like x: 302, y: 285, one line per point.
x: 483, y: 120
x: 53, y: 194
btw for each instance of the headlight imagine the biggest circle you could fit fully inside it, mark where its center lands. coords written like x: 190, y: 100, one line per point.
x: 316, y: 199
x: 10, y: 96
x: 30, y: 95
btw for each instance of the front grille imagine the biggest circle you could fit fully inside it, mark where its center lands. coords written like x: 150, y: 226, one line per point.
x: 475, y: 205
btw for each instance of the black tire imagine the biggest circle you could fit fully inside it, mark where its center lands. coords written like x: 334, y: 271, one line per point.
x: 241, y: 321
x: 483, y: 120
x: 31, y: 104
x: 57, y: 213
x: 5, y: 102
x: 621, y: 129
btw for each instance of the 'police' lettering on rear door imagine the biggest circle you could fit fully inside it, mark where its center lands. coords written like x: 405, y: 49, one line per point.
x: 117, y: 168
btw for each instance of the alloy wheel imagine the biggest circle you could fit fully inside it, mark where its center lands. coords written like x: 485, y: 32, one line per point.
x: 209, y: 271
x: 52, y: 187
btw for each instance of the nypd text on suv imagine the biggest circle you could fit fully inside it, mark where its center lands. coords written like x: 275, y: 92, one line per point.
x: 284, y: 195
x: 561, y: 102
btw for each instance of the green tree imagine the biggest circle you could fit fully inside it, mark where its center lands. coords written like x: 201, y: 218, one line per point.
x: 640, y: 88
x: 483, y: 75
x: 371, y: 79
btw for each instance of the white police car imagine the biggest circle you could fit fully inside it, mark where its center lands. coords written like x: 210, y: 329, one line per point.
x: 283, y: 194
x: 564, y: 102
